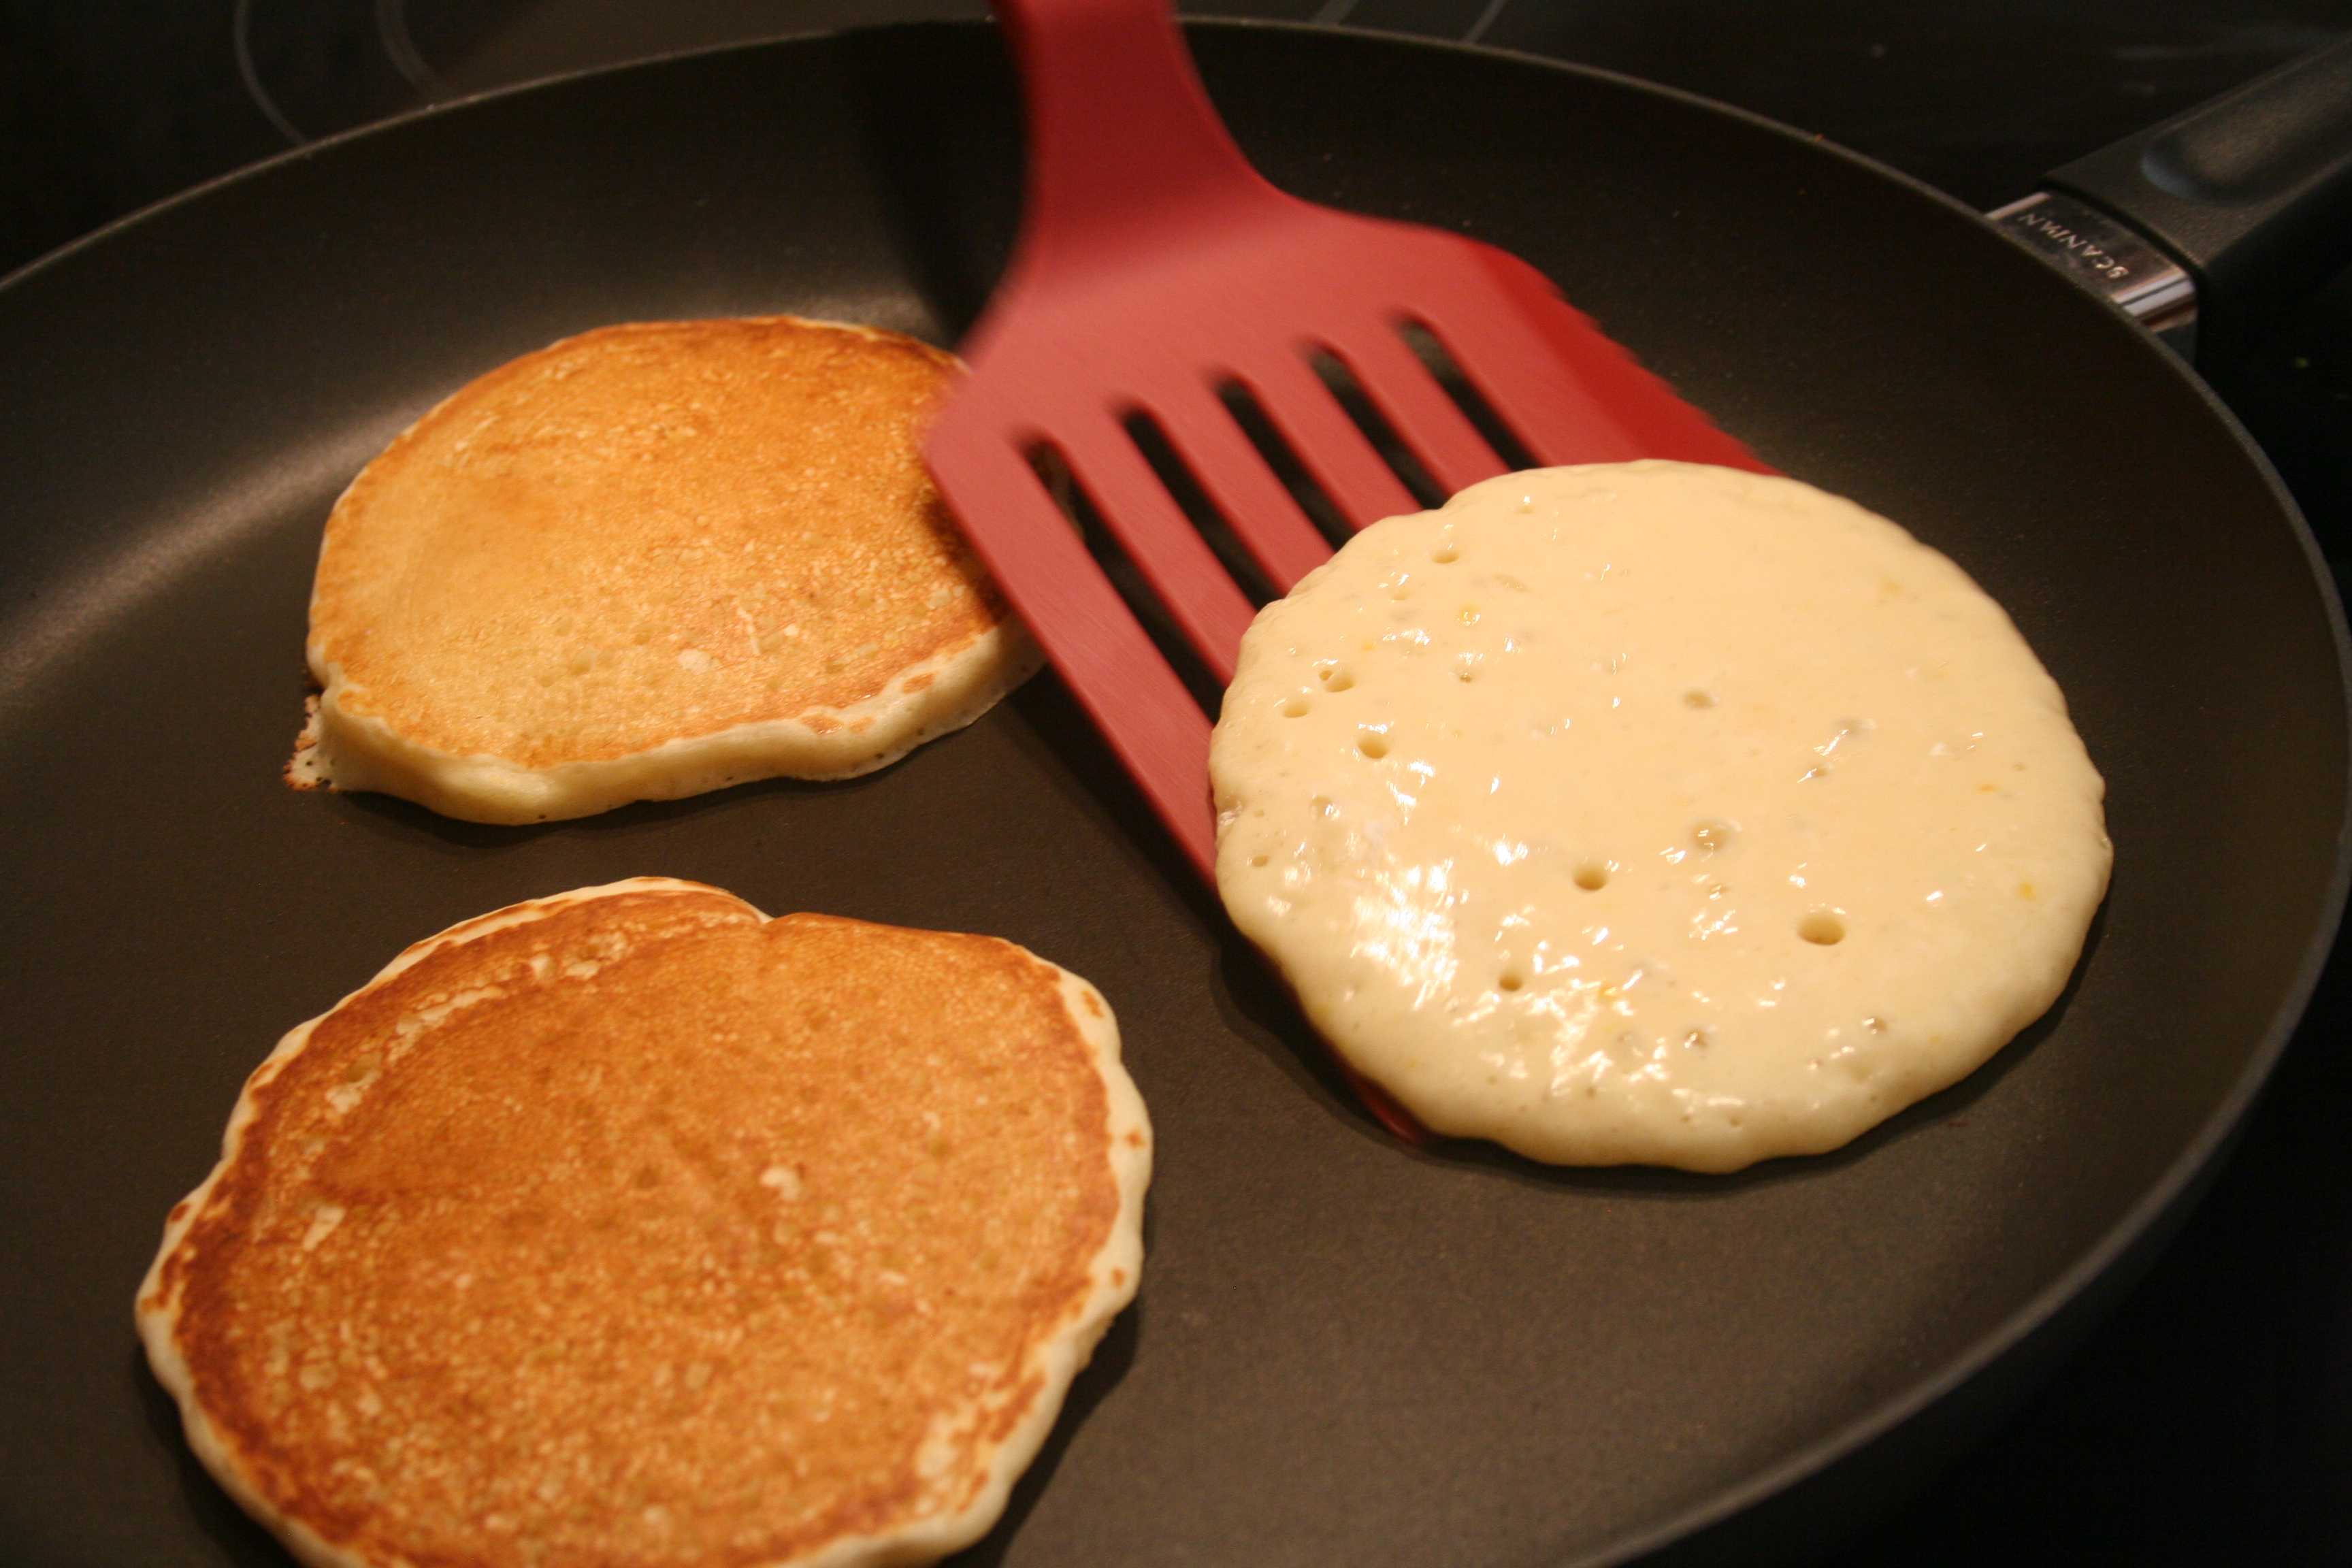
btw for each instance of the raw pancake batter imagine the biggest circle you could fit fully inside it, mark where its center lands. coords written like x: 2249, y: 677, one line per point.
x: 1654, y: 813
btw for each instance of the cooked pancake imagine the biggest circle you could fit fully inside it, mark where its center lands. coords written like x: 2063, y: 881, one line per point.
x: 1654, y: 813
x: 629, y: 1228
x: 647, y: 561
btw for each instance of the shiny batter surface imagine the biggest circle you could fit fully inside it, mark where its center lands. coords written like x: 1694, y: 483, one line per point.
x: 1654, y: 813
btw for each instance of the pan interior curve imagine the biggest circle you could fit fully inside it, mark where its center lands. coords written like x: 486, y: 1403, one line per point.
x: 1345, y: 1351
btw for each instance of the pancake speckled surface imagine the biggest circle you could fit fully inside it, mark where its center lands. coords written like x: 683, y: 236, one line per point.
x: 1655, y: 813
x: 628, y: 1227
x: 648, y: 560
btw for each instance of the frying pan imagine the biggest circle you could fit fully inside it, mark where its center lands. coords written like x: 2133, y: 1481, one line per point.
x: 1347, y: 1350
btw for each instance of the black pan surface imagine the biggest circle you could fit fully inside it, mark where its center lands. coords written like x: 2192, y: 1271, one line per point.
x: 1345, y: 1351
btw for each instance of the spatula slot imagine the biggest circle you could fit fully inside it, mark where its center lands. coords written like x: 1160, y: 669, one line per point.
x: 1448, y: 373
x: 1055, y: 475
x: 1061, y: 483
x: 1319, y: 508
x: 1184, y: 489
x: 1350, y: 393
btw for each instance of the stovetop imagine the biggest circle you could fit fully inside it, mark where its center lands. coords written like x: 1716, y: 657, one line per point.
x: 2209, y: 1419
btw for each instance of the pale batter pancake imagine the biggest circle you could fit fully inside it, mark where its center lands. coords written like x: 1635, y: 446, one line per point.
x: 650, y: 561
x: 627, y: 1227
x: 1654, y: 813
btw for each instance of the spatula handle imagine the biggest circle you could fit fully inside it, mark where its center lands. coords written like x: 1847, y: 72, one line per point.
x: 1119, y: 123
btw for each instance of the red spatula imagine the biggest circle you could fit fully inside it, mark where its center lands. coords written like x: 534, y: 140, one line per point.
x: 1154, y: 269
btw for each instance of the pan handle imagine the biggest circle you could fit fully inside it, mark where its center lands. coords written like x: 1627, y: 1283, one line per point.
x: 2249, y: 196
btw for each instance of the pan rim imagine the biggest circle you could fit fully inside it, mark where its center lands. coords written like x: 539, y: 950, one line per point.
x: 2167, y: 1201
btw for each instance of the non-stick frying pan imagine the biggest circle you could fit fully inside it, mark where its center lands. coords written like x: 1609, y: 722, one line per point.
x: 1347, y: 1350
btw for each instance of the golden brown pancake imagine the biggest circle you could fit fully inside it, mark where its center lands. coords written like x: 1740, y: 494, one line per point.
x: 650, y: 561
x: 629, y: 1228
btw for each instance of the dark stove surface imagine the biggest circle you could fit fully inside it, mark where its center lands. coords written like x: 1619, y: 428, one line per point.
x: 2209, y: 1419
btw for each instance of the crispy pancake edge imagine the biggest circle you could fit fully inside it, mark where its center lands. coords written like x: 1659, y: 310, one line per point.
x: 350, y: 753
x: 1113, y: 1273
